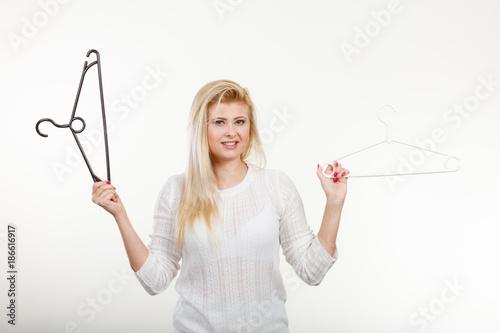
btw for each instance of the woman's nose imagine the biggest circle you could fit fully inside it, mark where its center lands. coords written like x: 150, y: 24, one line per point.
x: 230, y: 129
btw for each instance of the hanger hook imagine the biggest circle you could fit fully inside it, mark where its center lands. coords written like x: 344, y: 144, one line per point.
x: 93, y: 51
x: 388, y: 136
x: 447, y: 160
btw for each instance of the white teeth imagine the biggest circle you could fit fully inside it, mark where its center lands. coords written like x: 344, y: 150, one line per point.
x: 229, y: 144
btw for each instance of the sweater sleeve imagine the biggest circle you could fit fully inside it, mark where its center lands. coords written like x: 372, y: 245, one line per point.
x: 301, y: 248
x: 162, y: 263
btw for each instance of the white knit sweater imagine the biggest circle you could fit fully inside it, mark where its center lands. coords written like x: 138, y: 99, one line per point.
x: 236, y: 286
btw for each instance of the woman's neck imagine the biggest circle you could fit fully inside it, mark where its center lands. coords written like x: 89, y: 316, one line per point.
x: 229, y: 174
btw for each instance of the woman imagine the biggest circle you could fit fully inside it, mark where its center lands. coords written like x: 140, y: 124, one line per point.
x: 226, y: 218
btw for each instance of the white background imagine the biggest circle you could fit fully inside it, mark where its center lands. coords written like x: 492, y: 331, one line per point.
x: 402, y: 242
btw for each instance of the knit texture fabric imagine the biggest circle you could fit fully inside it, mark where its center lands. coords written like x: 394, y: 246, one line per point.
x: 235, y: 286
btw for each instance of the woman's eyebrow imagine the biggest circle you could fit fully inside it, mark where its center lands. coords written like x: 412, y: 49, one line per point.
x: 234, y: 117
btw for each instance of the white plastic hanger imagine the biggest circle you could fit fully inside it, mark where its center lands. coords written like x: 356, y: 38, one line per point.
x: 389, y: 140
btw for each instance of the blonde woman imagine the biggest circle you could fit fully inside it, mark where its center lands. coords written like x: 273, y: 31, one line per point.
x: 226, y: 218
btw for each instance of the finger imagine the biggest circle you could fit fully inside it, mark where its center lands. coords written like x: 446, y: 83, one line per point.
x: 108, y: 182
x: 98, y: 190
x: 97, y: 185
x: 338, y: 171
x: 342, y: 172
x: 104, y: 187
x: 109, y: 190
x: 101, y: 191
x: 107, y: 197
x: 327, y: 171
x: 319, y: 171
x: 112, y: 196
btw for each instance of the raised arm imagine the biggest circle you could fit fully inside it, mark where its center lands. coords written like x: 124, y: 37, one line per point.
x: 301, y: 248
x: 154, y: 266
x: 335, y: 190
x: 162, y: 264
x: 104, y: 194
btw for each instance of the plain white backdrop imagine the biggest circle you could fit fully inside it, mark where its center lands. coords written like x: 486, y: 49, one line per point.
x: 416, y: 253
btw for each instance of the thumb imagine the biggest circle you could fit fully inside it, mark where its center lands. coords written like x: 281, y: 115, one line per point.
x: 319, y: 171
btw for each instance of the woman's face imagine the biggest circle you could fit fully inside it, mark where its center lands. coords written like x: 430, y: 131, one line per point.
x: 229, y: 125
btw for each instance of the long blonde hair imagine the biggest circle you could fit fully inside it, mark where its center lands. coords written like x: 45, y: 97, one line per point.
x: 199, y: 191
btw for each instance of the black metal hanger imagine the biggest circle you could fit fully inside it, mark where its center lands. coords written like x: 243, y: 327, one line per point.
x: 86, y: 67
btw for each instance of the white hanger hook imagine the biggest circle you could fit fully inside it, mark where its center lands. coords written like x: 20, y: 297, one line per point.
x: 447, y: 160
x: 388, y: 136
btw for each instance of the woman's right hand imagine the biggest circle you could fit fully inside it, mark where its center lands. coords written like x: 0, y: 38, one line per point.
x: 104, y: 195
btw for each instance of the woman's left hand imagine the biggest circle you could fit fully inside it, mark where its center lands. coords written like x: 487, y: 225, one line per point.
x: 335, y: 188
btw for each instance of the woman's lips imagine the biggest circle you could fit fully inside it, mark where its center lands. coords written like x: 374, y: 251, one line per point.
x: 230, y: 147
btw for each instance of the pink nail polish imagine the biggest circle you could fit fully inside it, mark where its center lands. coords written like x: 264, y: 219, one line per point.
x: 318, y: 165
x: 335, y: 180
x: 335, y: 174
x: 336, y: 164
x: 108, y: 182
x: 343, y: 173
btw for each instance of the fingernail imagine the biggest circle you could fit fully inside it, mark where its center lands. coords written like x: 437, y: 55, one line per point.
x: 114, y: 187
x: 335, y: 174
x: 343, y: 173
x: 335, y: 180
x: 336, y: 164
x: 108, y: 182
x: 318, y: 165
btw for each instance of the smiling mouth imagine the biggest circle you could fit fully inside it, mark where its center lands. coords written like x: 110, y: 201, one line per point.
x: 230, y: 144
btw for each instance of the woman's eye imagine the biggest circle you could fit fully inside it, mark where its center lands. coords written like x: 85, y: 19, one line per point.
x: 221, y: 122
